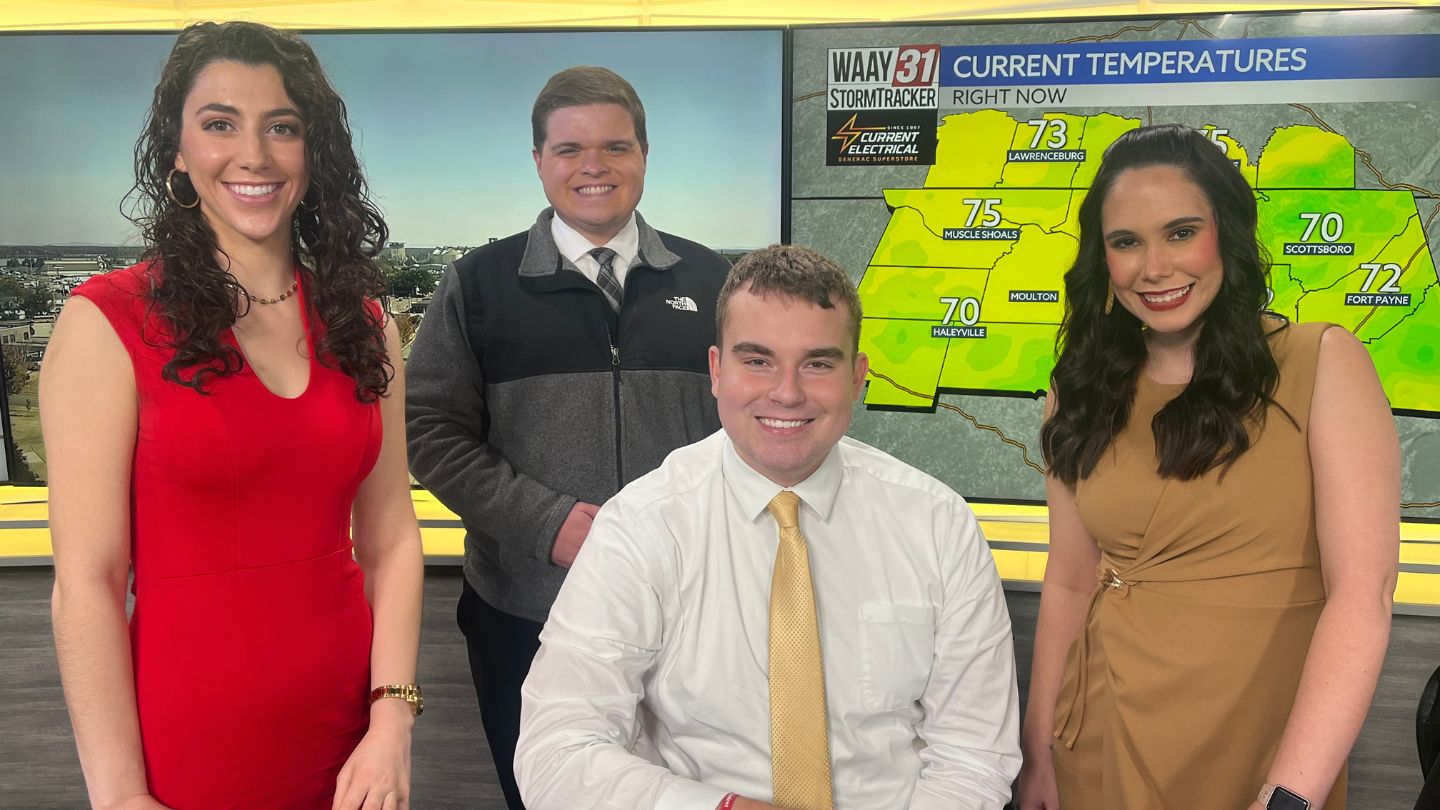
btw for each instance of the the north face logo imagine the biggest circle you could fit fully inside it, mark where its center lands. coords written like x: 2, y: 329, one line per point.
x: 682, y: 303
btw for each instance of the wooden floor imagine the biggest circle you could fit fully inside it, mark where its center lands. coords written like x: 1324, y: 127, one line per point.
x: 452, y: 765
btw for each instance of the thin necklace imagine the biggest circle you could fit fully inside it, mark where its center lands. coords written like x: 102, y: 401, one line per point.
x: 277, y: 299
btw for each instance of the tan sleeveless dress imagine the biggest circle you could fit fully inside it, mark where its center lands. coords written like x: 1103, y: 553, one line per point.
x: 1178, y: 688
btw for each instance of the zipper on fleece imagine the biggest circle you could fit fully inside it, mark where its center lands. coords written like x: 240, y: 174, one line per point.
x: 615, y: 385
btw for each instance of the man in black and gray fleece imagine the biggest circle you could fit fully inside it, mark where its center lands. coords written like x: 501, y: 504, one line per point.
x: 554, y: 367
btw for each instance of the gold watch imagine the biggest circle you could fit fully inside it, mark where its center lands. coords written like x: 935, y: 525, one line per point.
x: 408, y: 692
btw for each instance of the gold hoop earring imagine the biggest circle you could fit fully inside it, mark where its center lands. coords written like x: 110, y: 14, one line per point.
x: 170, y: 190
x: 1109, y: 299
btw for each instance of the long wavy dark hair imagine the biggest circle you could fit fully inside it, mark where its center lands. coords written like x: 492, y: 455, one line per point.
x: 1101, y: 356
x: 336, y: 233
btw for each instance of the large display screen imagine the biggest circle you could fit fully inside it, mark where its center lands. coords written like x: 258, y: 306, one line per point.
x: 442, y: 125
x: 945, y: 166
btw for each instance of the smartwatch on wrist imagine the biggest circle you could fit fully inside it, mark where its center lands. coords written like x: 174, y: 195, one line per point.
x: 1275, y: 797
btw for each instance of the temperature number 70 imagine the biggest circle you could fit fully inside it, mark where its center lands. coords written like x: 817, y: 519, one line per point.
x: 969, y: 310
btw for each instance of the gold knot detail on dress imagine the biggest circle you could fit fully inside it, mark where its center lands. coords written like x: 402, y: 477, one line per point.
x: 1111, y: 581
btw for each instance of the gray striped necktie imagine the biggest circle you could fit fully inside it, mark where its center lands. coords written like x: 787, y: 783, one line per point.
x: 606, y: 280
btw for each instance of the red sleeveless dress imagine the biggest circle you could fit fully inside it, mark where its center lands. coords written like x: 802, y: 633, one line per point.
x: 251, y: 631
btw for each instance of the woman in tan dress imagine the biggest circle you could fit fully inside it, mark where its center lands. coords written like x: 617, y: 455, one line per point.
x: 1224, y: 510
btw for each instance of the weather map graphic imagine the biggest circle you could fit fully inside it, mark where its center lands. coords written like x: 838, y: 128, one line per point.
x: 964, y: 291
x: 960, y: 259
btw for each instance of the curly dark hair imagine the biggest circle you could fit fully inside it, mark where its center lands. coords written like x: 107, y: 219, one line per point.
x: 1101, y: 356
x: 336, y: 233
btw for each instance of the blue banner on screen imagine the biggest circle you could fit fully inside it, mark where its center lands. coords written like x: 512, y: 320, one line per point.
x: 1399, y: 67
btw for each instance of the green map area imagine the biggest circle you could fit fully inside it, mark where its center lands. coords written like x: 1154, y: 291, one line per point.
x: 964, y: 291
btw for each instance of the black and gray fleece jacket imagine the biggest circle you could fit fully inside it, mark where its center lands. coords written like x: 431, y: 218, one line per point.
x: 528, y: 393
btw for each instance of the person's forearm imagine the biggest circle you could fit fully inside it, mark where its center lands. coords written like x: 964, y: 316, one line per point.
x: 483, y: 489
x: 446, y: 430
x: 394, y: 585
x: 566, y: 768
x: 447, y: 440
x: 1336, y: 687
x: 92, y: 644
x: 1061, y: 619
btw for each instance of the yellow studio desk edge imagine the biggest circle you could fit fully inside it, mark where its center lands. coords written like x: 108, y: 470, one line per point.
x: 1019, y: 537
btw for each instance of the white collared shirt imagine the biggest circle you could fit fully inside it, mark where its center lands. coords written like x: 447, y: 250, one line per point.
x: 576, y: 248
x: 651, y: 689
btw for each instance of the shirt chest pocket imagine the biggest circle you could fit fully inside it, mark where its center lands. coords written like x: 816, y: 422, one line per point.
x: 897, y: 649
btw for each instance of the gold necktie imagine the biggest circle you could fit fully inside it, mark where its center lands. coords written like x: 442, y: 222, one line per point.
x: 799, y: 727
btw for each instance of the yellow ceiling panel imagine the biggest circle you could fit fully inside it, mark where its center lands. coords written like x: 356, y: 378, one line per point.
x: 56, y: 15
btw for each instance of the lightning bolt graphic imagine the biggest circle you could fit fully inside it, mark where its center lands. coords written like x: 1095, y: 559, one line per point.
x: 848, y: 132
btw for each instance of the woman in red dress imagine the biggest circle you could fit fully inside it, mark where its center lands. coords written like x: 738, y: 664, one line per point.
x: 221, y: 420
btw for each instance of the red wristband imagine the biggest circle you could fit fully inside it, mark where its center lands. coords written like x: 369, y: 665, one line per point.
x: 729, y: 801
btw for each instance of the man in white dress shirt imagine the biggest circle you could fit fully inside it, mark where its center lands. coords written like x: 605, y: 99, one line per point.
x: 653, y: 685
